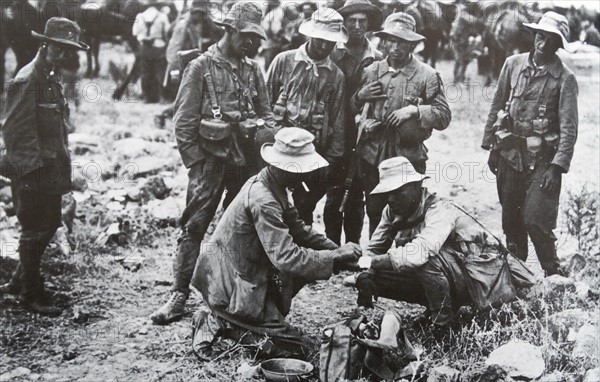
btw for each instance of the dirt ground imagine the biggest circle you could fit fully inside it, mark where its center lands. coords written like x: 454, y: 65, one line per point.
x: 104, y: 334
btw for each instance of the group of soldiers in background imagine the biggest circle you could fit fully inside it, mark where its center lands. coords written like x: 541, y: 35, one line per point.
x: 336, y: 118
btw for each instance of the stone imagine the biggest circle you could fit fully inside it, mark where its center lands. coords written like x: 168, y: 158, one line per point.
x: 582, y: 290
x: 519, y: 359
x: 443, y: 374
x: 15, y: 373
x: 143, y: 167
x: 592, y: 375
x: 168, y: 210
x: 560, y: 323
x: 154, y: 187
x: 587, y: 346
x: 556, y: 376
x: 5, y: 195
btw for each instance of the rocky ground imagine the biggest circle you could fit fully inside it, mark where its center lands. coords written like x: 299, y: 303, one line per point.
x: 110, y: 265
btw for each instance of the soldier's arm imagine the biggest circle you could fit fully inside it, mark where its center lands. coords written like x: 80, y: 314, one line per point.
x: 355, y: 104
x: 262, y: 102
x: 383, y: 237
x: 187, y: 113
x: 568, y: 121
x: 336, y: 120
x: 499, y: 101
x: 434, y: 113
x: 275, y: 78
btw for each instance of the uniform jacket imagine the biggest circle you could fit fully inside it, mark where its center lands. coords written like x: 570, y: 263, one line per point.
x: 187, y: 35
x: 242, y: 92
x: 259, y: 233
x: 151, y: 25
x: 35, y: 132
x: 416, y: 83
x: 554, y: 86
x: 353, y: 70
x: 437, y: 228
x: 312, y: 89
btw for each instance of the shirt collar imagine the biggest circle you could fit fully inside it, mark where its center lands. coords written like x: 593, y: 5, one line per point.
x: 554, y: 68
x: 408, y: 70
x: 302, y: 56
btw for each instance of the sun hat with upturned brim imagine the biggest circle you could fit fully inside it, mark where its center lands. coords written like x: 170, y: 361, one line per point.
x: 395, y: 173
x: 293, y: 151
x: 555, y: 23
x: 325, y: 23
x: 374, y: 14
x: 62, y: 31
x: 246, y: 18
x: 401, y: 25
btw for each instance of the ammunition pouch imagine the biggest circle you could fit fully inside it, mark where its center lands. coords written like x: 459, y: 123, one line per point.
x: 411, y: 134
x: 247, y: 128
x: 214, y: 129
x: 316, y: 126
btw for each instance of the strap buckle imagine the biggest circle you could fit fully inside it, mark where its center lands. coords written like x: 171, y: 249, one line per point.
x: 216, y: 110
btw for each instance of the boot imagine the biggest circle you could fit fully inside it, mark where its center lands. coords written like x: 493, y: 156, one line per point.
x: 42, y: 305
x: 171, y: 310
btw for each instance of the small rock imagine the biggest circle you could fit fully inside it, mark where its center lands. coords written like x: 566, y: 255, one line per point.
x: 154, y: 187
x: 586, y: 346
x: 520, y: 359
x: 443, y: 374
x: 15, y: 373
x: 69, y: 355
x: 582, y: 290
x: 143, y: 330
x: 556, y: 376
x: 559, y: 324
x: 592, y: 375
x: 168, y: 210
x: 5, y: 195
x: 142, y: 167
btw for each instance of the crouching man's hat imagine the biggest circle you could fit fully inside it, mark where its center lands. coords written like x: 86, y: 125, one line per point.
x: 60, y: 30
x: 293, y: 151
x: 395, y: 173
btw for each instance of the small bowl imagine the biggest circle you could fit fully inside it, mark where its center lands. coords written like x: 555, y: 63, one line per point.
x: 286, y: 370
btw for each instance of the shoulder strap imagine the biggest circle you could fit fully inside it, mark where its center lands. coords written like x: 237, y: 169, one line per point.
x: 503, y: 249
x: 214, y: 104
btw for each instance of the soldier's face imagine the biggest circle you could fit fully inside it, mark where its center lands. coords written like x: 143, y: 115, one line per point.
x: 357, y: 24
x: 319, y: 49
x: 57, y: 55
x: 242, y: 44
x: 196, y: 17
x: 546, y: 44
x: 397, y: 48
x: 405, y: 200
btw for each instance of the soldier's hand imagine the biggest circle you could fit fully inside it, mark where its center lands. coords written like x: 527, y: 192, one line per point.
x: 367, y: 290
x: 397, y: 117
x: 551, y: 179
x: 370, y: 92
x: 347, y: 253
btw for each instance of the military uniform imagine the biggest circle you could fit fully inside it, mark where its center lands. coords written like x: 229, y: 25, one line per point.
x: 353, y: 216
x: 310, y: 95
x: 543, y: 107
x: 415, y: 84
x: 38, y: 163
x: 214, y: 166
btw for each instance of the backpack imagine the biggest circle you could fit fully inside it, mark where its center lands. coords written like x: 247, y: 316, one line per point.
x: 342, y: 354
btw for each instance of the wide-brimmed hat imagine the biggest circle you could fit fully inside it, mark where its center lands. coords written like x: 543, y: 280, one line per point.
x: 553, y: 22
x: 363, y: 6
x: 401, y: 25
x: 311, y: 4
x: 325, y: 23
x: 293, y: 151
x: 395, y: 173
x: 245, y: 16
x: 62, y: 31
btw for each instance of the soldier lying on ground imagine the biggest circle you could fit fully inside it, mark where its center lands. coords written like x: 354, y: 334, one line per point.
x: 425, y: 249
x: 261, y: 254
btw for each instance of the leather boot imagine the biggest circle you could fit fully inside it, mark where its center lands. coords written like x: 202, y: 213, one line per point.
x: 172, y: 310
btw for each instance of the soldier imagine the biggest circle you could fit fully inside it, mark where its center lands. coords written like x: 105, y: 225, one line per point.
x: 37, y: 156
x: 195, y: 30
x: 218, y: 108
x: 530, y: 154
x: 307, y: 91
x: 150, y: 28
x: 401, y: 100
x: 261, y: 254
x: 360, y: 16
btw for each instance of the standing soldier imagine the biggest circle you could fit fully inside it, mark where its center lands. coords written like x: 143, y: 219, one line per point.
x: 307, y: 91
x: 352, y: 57
x: 195, y: 30
x: 37, y: 157
x: 150, y: 28
x: 401, y: 100
x: 218, y: 108
x: 530, y: 154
